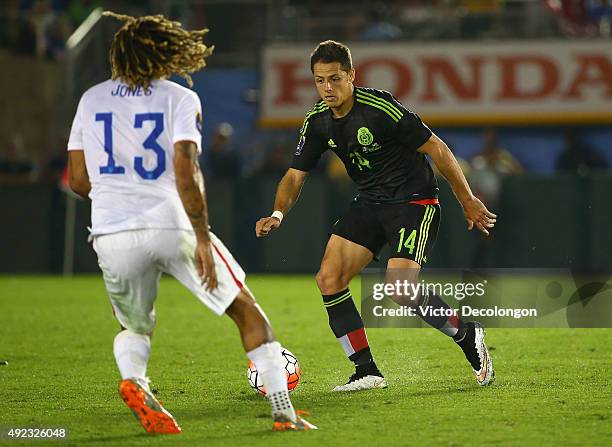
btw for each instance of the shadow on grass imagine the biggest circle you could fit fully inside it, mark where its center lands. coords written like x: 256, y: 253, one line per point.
x: 93, y: 439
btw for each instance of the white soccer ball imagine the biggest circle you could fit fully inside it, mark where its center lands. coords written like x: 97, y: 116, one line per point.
x: 292, y: 370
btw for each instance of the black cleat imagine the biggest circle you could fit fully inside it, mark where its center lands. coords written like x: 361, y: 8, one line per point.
x: 476, y: 352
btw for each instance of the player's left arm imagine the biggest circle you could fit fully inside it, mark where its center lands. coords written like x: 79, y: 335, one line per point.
x: 190, y: 186
x: 78, y: 178
x: 476, y: 213
x: 187, y: 140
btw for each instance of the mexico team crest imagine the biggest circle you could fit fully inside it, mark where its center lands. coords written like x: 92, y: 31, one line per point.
x: 364, y: 136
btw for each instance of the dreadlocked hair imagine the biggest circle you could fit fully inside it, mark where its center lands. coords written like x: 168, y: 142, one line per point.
x: 152, y: 47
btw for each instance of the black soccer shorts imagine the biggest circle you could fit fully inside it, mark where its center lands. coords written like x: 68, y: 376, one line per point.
x: 410, y: 229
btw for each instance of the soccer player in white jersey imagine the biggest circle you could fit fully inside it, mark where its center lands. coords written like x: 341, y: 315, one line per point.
x: 133, y: 151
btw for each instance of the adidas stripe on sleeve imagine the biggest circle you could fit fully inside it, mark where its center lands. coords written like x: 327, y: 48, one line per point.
x: 311, y: 144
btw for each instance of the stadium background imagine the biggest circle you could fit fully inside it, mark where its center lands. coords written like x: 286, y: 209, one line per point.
x: 536, y: 75
x: 552, y: 384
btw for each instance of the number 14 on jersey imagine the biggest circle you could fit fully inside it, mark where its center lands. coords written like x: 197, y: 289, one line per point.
x: 408, y: 242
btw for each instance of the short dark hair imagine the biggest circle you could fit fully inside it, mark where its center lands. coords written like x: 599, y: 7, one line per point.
x: 332, y: 51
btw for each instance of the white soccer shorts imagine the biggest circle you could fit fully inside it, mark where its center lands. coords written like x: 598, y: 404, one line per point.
x: 132, y: 263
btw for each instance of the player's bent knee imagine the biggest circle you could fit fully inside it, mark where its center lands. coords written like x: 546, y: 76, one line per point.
x: 141, y: 323
x: 244, y: 309
x: 139, y: 327
x: 330, y: 281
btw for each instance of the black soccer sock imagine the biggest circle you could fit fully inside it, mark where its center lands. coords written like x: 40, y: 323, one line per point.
x: 440, y: 315
x: 347, y: 325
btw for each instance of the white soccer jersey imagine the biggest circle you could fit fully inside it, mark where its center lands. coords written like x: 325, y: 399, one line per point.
x: 128, y: 136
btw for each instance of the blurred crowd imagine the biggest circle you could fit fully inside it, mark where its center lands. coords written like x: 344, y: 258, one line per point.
x: 226, y: 158
x: 41, y: 27
x: 464, y: 19
x: 488, y: 169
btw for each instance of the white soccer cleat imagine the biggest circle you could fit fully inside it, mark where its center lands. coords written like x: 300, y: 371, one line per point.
x: 365, y: 383
x: 366, y: 377
x: 475, y: 350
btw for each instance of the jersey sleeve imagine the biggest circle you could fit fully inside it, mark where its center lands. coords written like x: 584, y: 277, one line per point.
x: 75, y: 141
x: 187, y: 125
x: 409, y: 129
x: 309, y: 149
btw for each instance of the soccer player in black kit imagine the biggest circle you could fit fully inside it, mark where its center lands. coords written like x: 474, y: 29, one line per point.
x: 384, y: 147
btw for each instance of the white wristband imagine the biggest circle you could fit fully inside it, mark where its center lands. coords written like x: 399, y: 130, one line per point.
x: 278, y: 215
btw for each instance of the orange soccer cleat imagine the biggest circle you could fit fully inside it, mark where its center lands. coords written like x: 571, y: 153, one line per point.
x: 147, y: 409
x: 299, y: 425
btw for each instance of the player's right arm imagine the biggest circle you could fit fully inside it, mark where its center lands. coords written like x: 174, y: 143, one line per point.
x: 415, y: 135
x: 308, y: 152
x: 287, y: 194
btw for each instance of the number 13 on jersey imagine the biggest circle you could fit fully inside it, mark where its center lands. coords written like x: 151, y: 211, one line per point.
x: 149, y: 143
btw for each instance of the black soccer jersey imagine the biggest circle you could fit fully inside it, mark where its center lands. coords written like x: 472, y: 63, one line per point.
x: 377, y: 141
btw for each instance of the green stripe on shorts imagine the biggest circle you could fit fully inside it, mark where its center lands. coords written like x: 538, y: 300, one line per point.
x: 424, y: 232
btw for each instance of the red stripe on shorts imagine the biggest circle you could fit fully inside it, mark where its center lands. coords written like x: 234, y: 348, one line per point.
x: 238, y: 283
x: 425, y: 202
x: 358, y: 339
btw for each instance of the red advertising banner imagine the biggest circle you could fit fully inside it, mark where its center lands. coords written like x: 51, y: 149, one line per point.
x: 522, y: 82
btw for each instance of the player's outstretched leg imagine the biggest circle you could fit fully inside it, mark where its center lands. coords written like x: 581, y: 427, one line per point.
x: 265, y: 352
x: 132, y: 352
x: 469, y: 336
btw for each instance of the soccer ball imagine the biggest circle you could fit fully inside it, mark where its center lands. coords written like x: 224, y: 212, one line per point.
x: 292, y: 370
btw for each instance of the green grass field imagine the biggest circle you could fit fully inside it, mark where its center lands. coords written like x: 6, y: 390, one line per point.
x: 553, y: 385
